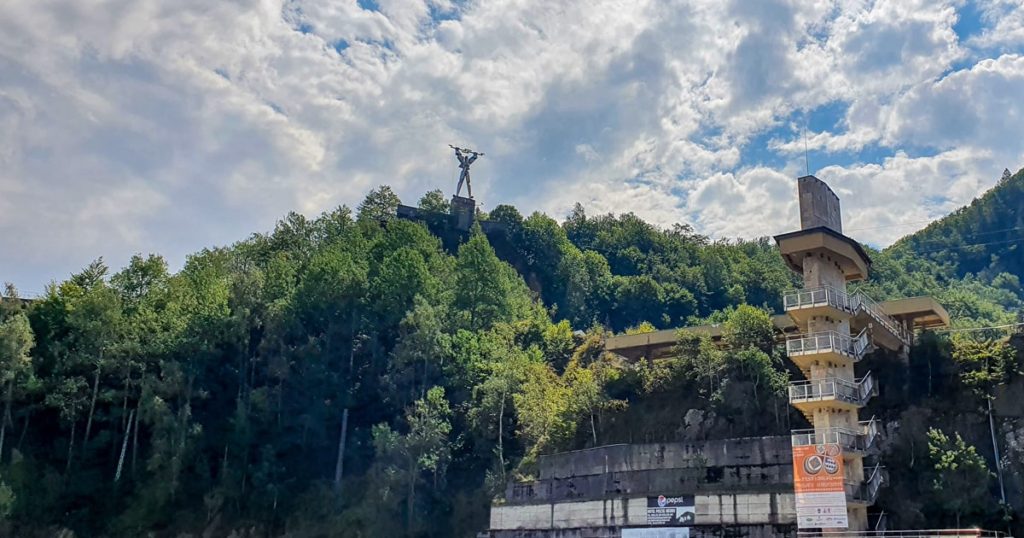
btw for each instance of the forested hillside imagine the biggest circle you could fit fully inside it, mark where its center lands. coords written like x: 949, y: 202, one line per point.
x: 358, y: 375
x: 985, y: 238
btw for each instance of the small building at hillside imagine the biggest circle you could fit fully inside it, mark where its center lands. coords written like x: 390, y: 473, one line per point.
x: 823, y: 478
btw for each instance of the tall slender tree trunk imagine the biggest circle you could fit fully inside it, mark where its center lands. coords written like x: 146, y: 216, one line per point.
x: 124, y: 425
x: 6, y: 417
x: 339, y: 465
x: 501, y: 435
x: 135, y: 436
x: 995, y: 450
x: 124, y: 447
x: 71, y: 446
x: 24, y: 427
x: 410, y: 500
x: 92, y: 406
x: 224, y: 465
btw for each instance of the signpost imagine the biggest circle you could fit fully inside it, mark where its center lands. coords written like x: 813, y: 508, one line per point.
x: 818, y: 483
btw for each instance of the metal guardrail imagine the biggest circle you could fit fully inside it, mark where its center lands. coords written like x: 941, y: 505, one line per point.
x: 825, y: 341
x: 857, y: 392
x: 870, y: 430
x: 829, y: 296
x: 849, y: 440
x: 918, y: 533
x: 859, y: 440
x: 861, y: 300
x: 825, y: 295
x: 867, y: 491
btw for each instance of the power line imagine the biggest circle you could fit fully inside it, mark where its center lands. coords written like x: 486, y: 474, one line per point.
x: 971, y: 329
x: 974, y: 234
x: 911, y: 223
x: 966, y: 246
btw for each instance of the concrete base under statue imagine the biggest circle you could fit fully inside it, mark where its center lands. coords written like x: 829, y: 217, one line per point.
x: 464, y: 211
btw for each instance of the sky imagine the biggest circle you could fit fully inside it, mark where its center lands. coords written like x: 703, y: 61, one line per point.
x: 168, y: 126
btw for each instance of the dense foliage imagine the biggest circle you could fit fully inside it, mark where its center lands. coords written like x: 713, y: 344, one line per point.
x: 359, y: 375
x: 982, y: 241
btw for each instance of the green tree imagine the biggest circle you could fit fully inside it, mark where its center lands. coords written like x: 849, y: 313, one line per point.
x: 961, y: 476
x: 424, y: 450
x: 6, y: 501
x: 487, y: 290
x: 749, y: 327
x: 379, y: 205
x: 434, y: 201
x: 493, y: 401
x: 16, y: 339
x: 543, y: 408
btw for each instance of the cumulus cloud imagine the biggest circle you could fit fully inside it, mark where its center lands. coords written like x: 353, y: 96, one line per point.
x: 150, y: 125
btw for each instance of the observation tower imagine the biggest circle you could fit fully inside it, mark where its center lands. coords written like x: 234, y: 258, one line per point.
x: 834, y: 484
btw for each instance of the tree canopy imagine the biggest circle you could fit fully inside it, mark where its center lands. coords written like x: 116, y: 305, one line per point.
x: 361, y: 375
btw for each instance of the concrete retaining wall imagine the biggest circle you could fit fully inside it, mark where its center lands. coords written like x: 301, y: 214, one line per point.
x: 715, y: 510
x: 743, y: 531
x: 756, y: 451
x: 757, y: 465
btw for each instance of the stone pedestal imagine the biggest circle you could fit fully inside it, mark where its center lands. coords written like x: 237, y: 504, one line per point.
x: 464, y: 211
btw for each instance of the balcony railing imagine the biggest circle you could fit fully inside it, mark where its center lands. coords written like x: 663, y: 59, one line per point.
x: 866, y: 492
x: 859, y: 301
x: 857, y: 392
x: 826, y: 341
x: 823, y: 296
x: 871, y: 432
x: 859, y: 440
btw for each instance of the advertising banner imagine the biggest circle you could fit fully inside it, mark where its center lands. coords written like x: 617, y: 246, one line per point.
x: 665, y: 511
x: 662, y: 532
x: 818, y: 483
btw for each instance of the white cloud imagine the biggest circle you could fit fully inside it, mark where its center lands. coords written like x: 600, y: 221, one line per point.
x: 150, y: 125
x: 1005, y: 29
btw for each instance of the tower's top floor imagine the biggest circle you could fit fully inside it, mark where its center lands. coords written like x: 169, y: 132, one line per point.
x: 821, y: 234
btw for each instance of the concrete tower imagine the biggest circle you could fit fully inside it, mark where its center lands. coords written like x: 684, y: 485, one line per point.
x: 836, y: 329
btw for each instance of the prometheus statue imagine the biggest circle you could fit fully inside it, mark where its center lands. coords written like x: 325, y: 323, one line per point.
x: 466, y: 158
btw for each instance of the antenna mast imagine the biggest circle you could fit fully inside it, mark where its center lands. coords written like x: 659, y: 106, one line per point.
x: 807, y: 161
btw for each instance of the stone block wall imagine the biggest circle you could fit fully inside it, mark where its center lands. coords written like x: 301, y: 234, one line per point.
x: 741, y: 488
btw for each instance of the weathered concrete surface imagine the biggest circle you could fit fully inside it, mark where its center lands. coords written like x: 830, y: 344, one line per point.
x: 638, y: 457
x: 741, y: 487
x: 715, y: 510
x: 759, y: 465
x: 740, y: 531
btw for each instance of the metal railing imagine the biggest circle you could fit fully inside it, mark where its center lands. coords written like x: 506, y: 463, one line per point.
x: 866, y: 492
x: 857, y: 392
x: 821, y: 342
x: 851, y: 440
x: 869, y: 429
x: 829, y: 296
x: 874, y: 483
x: 920, y: 533
x: 861, y: 300
x: 825, y: 295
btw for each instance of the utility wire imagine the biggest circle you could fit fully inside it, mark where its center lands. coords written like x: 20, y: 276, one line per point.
x: 966, y: 246
x: 974, y: 234
x: 911, y: 223
x: 971, y: 329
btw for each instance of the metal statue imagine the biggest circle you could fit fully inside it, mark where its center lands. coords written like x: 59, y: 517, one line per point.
x: 466, y: 158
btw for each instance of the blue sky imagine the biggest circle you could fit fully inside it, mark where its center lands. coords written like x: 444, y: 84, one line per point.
x: 151, y: 126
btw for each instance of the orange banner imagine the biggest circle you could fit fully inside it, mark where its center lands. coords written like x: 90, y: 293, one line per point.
x: 818, y: 484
